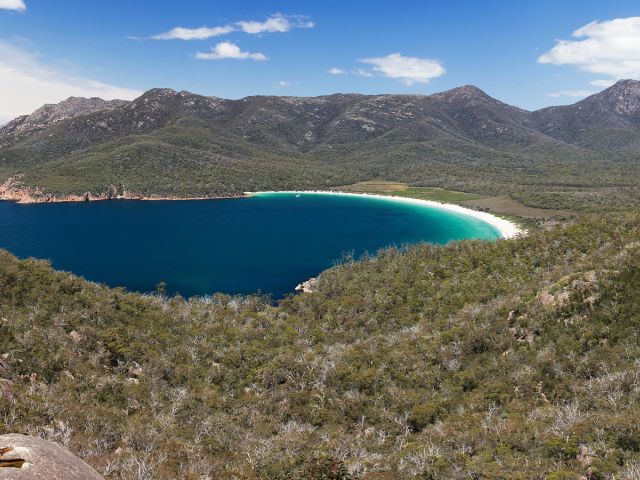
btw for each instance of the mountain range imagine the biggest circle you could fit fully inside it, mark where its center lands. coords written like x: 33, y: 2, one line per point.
x: 179, y: 144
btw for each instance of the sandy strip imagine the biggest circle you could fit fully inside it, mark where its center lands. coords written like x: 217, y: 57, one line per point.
x: 507, y: 228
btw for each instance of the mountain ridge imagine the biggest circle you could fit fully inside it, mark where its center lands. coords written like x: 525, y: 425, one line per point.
x: 179, y: 144
x: 623, y: 87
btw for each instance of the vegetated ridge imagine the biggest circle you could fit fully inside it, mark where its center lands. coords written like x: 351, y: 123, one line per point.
x: 181, y: 145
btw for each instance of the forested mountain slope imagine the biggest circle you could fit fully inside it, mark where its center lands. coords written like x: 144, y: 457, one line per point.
x: 168, y: 143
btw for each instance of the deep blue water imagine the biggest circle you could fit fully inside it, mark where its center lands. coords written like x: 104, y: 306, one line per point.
x: 267, y: 243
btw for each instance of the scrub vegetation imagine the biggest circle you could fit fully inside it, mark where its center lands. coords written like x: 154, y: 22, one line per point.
x: 513, y: 359
x: 507, y: 360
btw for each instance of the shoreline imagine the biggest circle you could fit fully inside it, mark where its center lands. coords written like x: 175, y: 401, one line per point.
x: 11, y: 191
x: 506, y: 228
x: 94, y: 198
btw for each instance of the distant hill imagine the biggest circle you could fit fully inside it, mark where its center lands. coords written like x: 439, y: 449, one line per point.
x: 169, y: 143
x: 50, y: 114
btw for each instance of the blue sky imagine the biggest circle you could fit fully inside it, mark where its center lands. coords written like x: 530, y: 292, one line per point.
x: 52, y: 49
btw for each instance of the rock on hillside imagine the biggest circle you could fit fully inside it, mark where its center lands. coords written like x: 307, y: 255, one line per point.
x: 31, y: 458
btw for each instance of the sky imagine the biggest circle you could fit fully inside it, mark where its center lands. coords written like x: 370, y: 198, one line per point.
x: 530, y: 54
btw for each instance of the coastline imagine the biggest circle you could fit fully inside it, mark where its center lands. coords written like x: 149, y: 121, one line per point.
x: 11, y: 190
x: 29, y: 200
x: 506, y: 228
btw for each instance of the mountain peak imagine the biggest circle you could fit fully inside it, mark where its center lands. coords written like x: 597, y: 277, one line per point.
x: 159, y: 93
x: 162, y: 91
x: 626, y: 84
x: 623, y: 97
x: 625, y: 88
x: 163, y: 96
x: 466, y: 92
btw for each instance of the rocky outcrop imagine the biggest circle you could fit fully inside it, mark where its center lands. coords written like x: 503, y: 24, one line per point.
x: 309, y: 286
x: 31, y: 458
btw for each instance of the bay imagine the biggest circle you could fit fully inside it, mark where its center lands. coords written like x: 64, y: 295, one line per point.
x: 265, y: 243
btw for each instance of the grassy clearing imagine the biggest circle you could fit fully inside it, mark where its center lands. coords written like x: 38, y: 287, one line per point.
x: 376, y: 186
x: 401, y: 189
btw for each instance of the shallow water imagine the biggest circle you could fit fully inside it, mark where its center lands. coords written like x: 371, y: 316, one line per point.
x: 267, y: 243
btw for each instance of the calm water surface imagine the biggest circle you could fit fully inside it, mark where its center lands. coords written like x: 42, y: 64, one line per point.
x: 267, y: 243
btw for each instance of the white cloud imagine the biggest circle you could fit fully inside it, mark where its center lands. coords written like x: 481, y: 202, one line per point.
x: 201, y: 33
x: 283, y: 84
x: 408, y: 70
x: 602, y: 83
x: 336, y: 71
x: 13, y: 5
x: 609, y: 48
x: 224, y: 50
x: 275, y: 23
x: 26, y: 83
x: 571, y: 93
x: 362, y: 73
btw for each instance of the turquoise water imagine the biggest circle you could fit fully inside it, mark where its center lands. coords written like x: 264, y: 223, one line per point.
x: 267, y: 243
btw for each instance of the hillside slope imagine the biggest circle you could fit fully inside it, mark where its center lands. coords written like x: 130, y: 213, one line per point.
x: 514, y: 359
x: 168, y: 143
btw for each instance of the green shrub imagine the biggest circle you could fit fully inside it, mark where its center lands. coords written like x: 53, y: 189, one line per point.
x: 562, y: 448
x: 424, y: 414
x: 563, y: 475
x: 629, y: 440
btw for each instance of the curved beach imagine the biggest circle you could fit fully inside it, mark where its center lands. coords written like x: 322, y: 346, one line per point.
x: 506, y: 228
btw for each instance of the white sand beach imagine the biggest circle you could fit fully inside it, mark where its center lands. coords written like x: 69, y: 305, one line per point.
x: 507, y: 228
